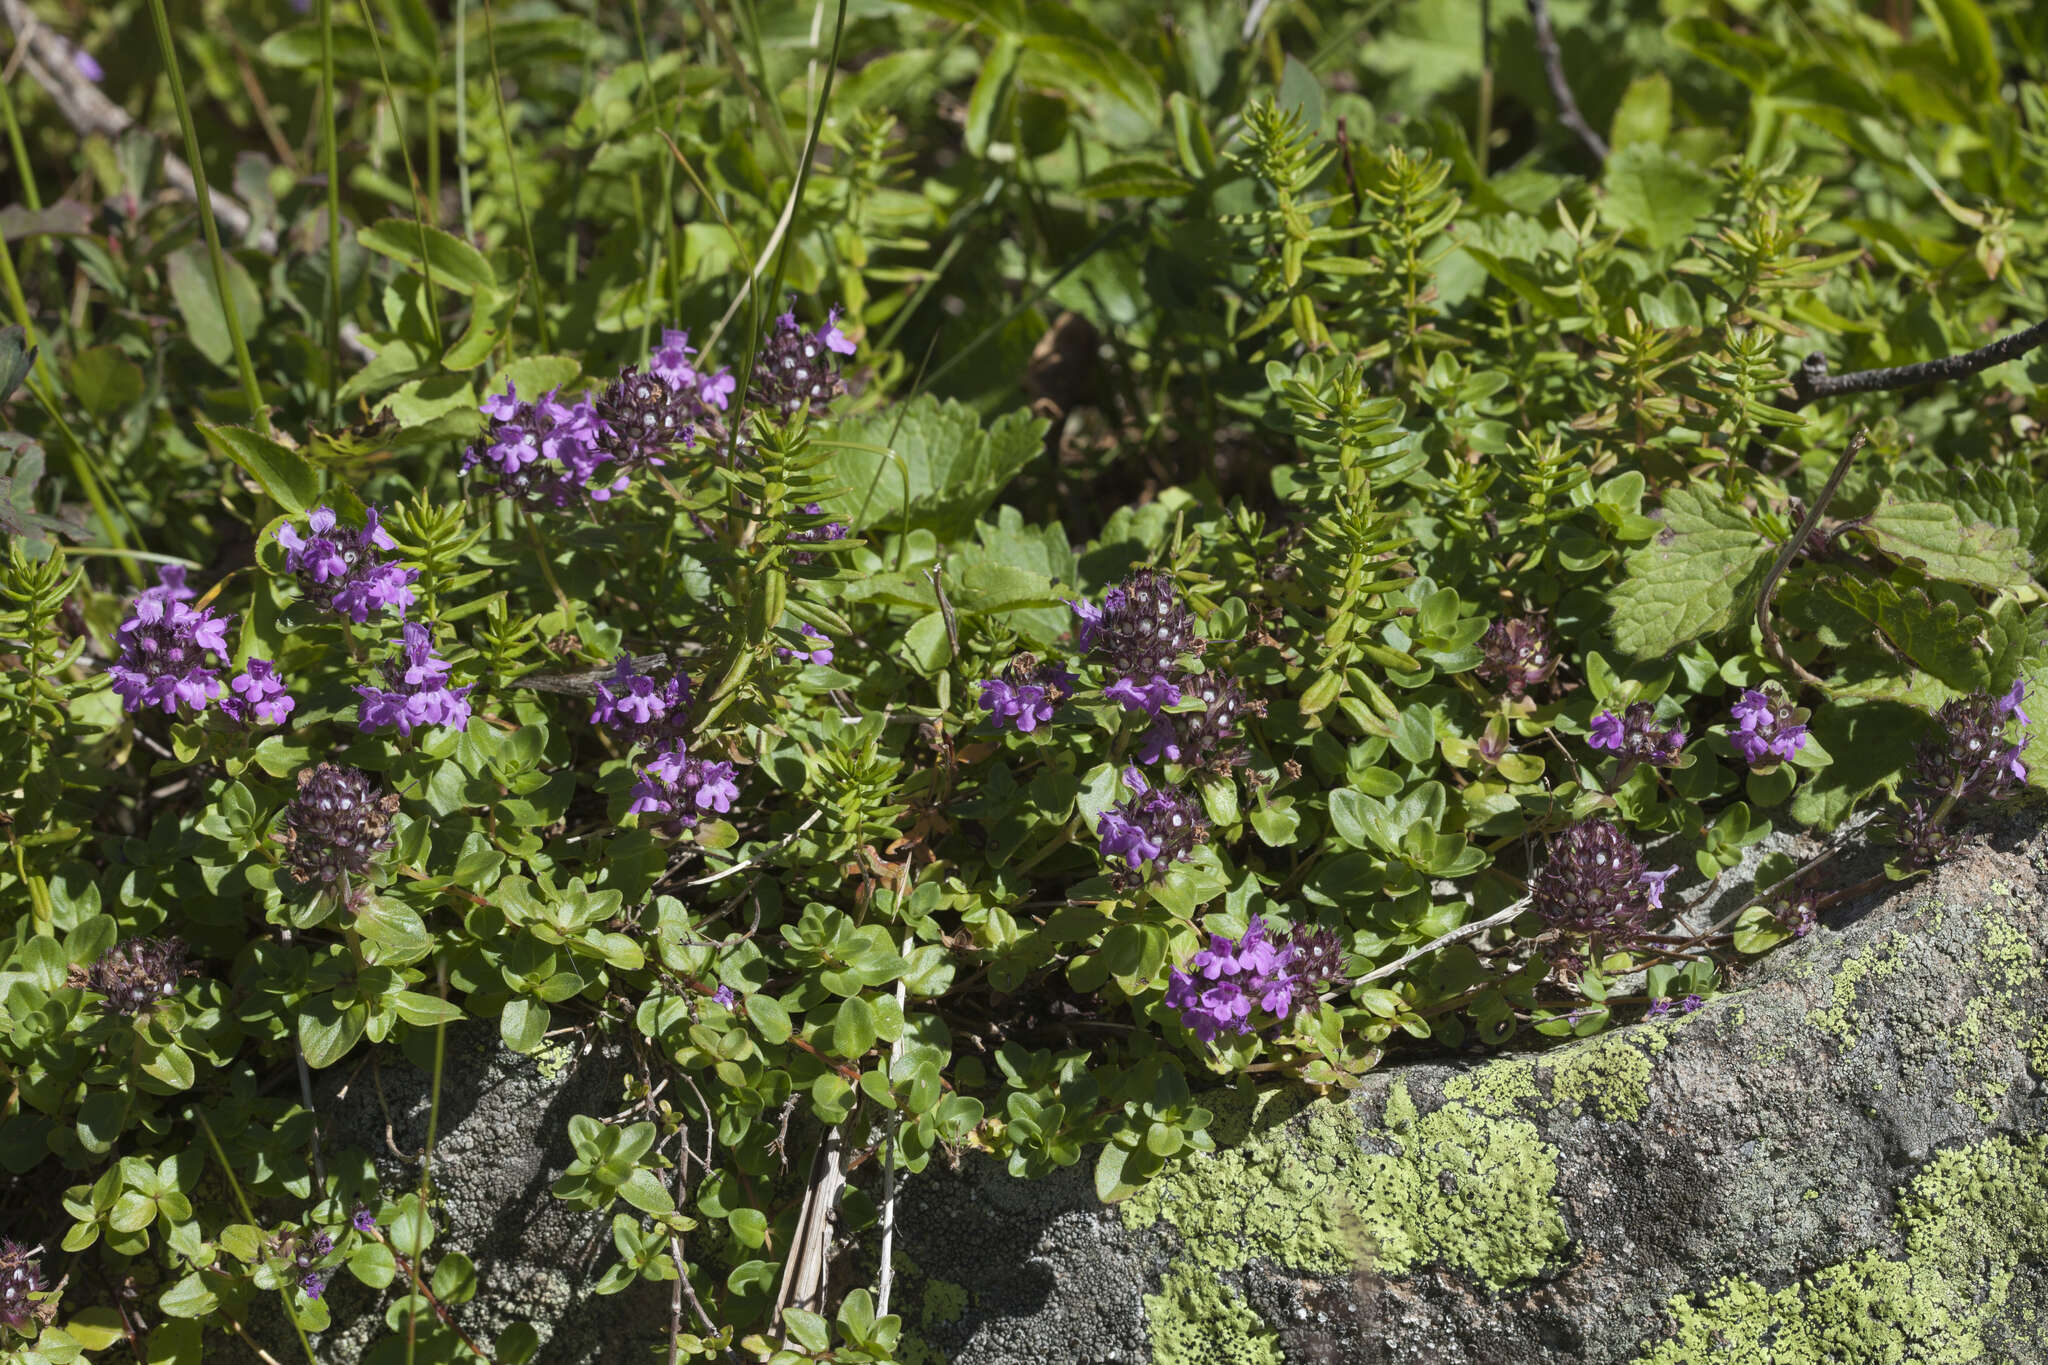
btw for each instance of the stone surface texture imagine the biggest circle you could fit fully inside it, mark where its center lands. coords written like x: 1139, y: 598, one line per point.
x: 1842, y: 1159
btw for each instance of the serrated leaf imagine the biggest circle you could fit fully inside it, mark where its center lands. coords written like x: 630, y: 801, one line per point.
x: 1938, y: 636
x: 1934, y: 538
x: 952, y: 466
x: 1656, y: 194
x: 1698, y: 576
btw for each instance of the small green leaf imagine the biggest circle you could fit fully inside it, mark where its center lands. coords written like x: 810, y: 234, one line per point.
x: 281, y: 473
x: 453, y: 263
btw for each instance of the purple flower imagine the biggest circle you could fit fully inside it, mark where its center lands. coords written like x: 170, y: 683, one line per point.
x: 642, y: 417
x: 1607, y: 731
x: 416, y: 691
x: 1771, y: 728
x: 671, y: 361
x: 820, y: 655
x: 313, y: 1285
x: 322, y: 1244
x: 340, y: 570
x: 718, y: 389
x: 645, y: 708
x: 724, y: 996
x: 1655, y: 882
x: 170, y: 585
x: 363, y: 1220
x: 672, y: 783
x: 814, y: 535
x: 546, y: 454
x: 1659, y: 1007
x: 1024, y: 706
x: 2007, y: 705
x: 83, y: 62
x: 164, y: 649
x: 1690, y: 1003
x: 1148, y: 696
x: 836, y: 340
x: 257, y: 695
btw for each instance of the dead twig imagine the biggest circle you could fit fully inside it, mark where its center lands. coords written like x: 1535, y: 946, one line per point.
x: 1811, y: 381
x: 1772, y: 644
x: 1560, y: 89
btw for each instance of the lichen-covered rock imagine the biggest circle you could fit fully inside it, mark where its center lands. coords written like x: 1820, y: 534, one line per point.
x: 1843, y: 1159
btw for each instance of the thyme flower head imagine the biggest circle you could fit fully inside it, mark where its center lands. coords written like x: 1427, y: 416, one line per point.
x: 21, y: 1279
x: 1637, y: 737
x: 341, y: 570
x: 1518, y: 654
x: 547, y: 454
x: 165, y: 648
x: 134, y: 976
x: 336, y: 826
x: 1770, y: 726
x: 797, y: 371
x: 1595, y: 883
x: 1159, y: 825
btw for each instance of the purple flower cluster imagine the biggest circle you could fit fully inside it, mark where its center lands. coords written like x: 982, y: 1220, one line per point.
x: 364, y: 1219
x: 1158, y: 825
x: 257, y: 695
x: 796, y: 370
x: 165, y: 645
x: 1595, y: 884
x: 1141, y: 631
x: 642, y: 417
x: 1232, y: 979
x: 547, y: 454
x: 642, y: 708
x: 1027, y: 698
x: 1637, y: 737
x: 1770, y: 727
x: 341, y: 571
x: 134, y: 976
x: 671, y: 364
x: 673, y: 784
x: 416, y: 692
x: 1975, y: 760
x: 1517, y: 654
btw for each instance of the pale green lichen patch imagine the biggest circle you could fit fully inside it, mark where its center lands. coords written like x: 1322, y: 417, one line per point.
x: 1460, y: 1188
x: 1967, y: 1221
x: 1196, y: 1319
x: 1609, y: 1078
x: 1497, y: 1088
x: 1839, y: 1020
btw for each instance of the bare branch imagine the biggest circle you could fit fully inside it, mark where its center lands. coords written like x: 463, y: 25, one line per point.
x: 1560, y: 89
x: 50, y: 58
x: 1812, y: 381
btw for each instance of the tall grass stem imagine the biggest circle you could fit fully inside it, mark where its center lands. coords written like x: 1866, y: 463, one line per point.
x: 331, y: 160
x: 540, y: 289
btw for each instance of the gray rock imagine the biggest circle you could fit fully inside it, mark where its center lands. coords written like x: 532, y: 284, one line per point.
x: 1843, y: 1158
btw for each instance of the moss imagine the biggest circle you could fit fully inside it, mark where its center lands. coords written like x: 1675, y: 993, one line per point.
x: 1609, y: 1077
x: 1196, y: 1319
x: 1966, y: 1221
x: 944, y: 1302
x: 1460, y: 1188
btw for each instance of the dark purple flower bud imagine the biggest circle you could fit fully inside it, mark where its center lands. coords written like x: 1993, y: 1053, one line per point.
x: 642, y: 417
x: 797, y: 371
x: 257, y: 695
x: 1690, y: 1003
x: 1161, y: 826
x: 21, y: 1279
x: 1771, y: 727
x: 1141, y: 629
x: 1637, y: 737
x: 1518, y: 655
x: 1207, y: 738
x: 1659, y: 1007
x: 313, y: 1285
x: 336, y: 826
x: 1594, y: 883
x: 1976, y: 761
x: 135, y: 976
x: 340, y: 570
x: 165, y: 645
x: 363, y: 1220
x: 322, y: 1244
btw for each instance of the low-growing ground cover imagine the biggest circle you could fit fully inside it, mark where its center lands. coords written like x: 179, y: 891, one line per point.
x: 949, y: 575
